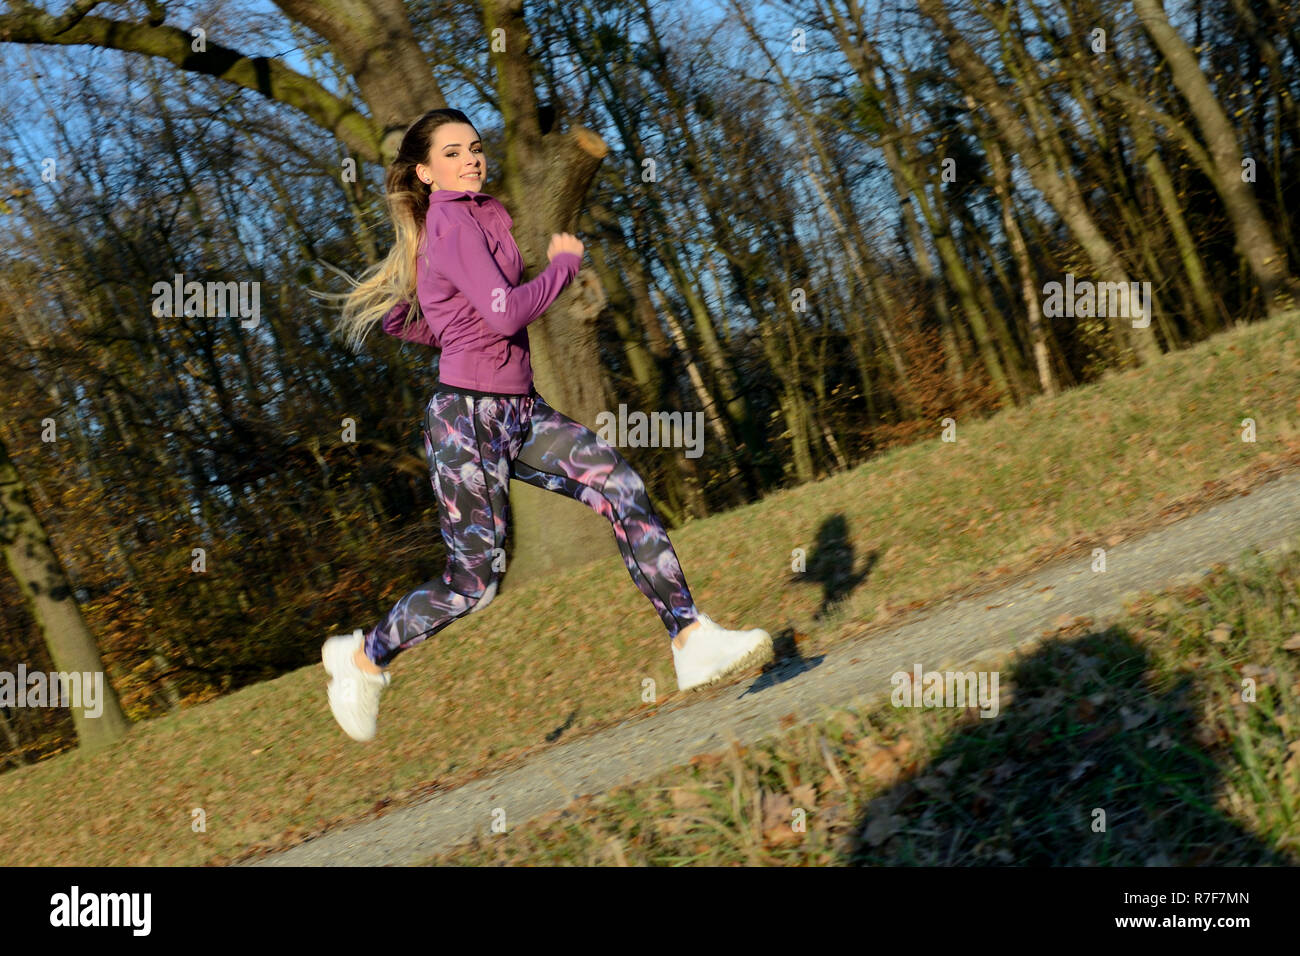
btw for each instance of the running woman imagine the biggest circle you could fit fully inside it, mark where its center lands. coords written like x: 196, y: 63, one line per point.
x: 452, y: 281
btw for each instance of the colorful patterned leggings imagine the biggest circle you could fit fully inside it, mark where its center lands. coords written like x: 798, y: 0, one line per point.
x: 475, y: 444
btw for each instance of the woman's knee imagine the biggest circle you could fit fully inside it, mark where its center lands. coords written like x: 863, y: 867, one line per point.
x: 485, y: 596
x: 476, y: 583
x: 624, y: 481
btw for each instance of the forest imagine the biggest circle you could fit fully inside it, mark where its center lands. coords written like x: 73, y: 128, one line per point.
x: 823, y: 226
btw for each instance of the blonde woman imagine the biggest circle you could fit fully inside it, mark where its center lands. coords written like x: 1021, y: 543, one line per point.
x: 452, y: 282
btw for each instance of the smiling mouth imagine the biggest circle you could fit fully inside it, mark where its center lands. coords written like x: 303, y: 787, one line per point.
x: 472, y: 176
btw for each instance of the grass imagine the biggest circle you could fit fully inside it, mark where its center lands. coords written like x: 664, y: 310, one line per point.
x: 1135, y: 745
x: 268, y: 767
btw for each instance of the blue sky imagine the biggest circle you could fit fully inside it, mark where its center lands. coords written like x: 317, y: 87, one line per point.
x: 32, y: 78
x: 23, y: 67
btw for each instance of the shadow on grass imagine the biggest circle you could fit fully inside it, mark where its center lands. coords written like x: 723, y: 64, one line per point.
x: 831, y: 565
x: 1083, y: 732
x: 555, y: 734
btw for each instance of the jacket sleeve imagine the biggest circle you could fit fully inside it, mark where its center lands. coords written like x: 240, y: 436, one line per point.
x: 420, y: 332
x: 464, y: 258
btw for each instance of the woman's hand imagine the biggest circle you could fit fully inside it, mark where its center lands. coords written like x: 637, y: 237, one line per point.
x: 563, y: 242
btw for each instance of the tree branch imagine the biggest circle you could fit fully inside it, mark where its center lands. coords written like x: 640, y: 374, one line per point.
x: 271, y: 78
x: 556, y: 187
x: 1144, y: 110
x: 375, y: 42
x: 72, y: 16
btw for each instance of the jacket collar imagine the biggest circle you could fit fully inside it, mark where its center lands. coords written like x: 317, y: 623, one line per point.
x: 457, y: 195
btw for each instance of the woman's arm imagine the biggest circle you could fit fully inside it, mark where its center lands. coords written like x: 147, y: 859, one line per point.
x: 464, y: 258
x: 420, y: 332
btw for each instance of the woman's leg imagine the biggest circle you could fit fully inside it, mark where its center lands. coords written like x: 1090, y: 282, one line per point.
x: 562, y: 455
x: 469, y: 441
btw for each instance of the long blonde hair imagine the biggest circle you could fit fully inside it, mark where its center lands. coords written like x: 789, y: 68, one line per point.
x: 387, y: 283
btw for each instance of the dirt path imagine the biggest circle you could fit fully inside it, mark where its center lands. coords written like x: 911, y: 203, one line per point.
x: 944, y: 636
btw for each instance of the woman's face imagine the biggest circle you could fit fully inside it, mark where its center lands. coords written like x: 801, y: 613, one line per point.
x: 456, y: 161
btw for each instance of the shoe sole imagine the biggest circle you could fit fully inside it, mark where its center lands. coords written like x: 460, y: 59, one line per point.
x: 763, y: 654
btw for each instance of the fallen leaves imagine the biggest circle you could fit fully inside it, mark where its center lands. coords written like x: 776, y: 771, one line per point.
x: 706, y: 761
x: 884, y: 765
x: 777, y: 818
x: 687, y: 799
x: 805, y: 796
x: 836, y: 779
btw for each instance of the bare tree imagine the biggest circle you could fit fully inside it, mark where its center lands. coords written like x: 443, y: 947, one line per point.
x: 44, y: 583
x: 546, y: 173
x: 1266, y: 258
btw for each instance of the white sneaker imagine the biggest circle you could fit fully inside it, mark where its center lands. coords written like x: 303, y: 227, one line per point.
x: 353, y: 693
x: 712, y: 652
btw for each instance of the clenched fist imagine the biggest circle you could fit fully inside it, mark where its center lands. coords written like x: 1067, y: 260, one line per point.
x: 563, y: 242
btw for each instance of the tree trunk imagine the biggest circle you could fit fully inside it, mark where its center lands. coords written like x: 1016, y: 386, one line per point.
x: 549, y: 531
x: 1024, y: 265
x: 546, y: 178
x: 1055, y: 184
x: 40, y: 575
x: 854, y: 40
x: 683, y: 478
x: 1254, y: 237
x: 1207, y: 316
x: 717, y: 424
x: 15, y: 743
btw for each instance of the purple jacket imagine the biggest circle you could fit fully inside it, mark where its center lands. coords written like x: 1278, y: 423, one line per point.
x: 472, y: 307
